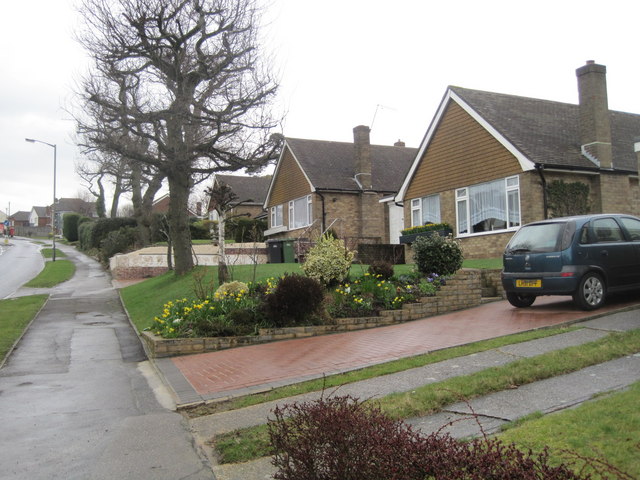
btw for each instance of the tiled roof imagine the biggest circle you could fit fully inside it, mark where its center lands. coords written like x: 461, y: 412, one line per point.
x: 331, y: 165
x: 76, y: 205
x: 250, y: 190
x: 42, y: 211
x: 21, y: 216
x: 548, y: 132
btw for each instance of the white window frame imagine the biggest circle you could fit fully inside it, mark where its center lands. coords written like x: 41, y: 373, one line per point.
x: 277, y: 216
x: 417, y: 214
x: 308, y: 215
x: 463, y: 207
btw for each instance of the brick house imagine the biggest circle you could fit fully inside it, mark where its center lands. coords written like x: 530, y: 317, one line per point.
x: 20, y: 219
x: 487, y: 158
x: 40, y: 217
x: 250, y: 191
x: 161, y: 205
x: 322, y: 185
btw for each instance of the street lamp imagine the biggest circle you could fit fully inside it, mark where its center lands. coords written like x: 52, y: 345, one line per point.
x: 53, y: 207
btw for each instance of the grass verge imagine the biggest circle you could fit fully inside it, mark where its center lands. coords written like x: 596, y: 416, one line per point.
x: 591, y: 430
x: 372, y: 372
x: 234, y: 446
x: 53, y: 274
x: 16, y: 315
x: 48, y: 253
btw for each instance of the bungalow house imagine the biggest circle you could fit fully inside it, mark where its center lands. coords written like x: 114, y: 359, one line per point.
x: 20, y: 219
x: 40, y: 217
x: 487, y: 160
x: 250, y: 192
x: 321, y: 185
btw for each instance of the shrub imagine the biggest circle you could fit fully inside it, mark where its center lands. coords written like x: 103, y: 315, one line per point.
x: 199, y: 229
x: 85, y: 231
x: 231, y: 288
x: 436, y: 254
x: 103, y: 226
x: 328, y: 261
x: 341, y: 438
x: 243, y: 229
x: 70, y: 226
x: 294, y: 300
x: 118, y: 241
x: 381, y: 269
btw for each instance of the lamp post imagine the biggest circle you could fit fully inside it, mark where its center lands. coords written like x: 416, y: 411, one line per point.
x: 53, y: 207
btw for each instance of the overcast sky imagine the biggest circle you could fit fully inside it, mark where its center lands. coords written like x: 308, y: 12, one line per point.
x: 341, y: 63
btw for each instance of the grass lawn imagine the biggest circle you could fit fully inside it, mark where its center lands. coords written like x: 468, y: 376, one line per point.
x: 53, y: 274
x: 16, y: 315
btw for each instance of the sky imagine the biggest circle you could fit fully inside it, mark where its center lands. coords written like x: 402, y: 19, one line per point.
x: 340, y: 63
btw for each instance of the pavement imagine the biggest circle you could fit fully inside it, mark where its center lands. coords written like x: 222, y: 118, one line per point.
x: 230, y: 373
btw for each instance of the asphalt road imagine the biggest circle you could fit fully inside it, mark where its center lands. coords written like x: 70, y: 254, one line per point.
x: 78, y: 400
x: 20, y: 261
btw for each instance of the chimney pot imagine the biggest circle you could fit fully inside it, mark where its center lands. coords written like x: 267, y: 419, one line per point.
x: 399, y: 143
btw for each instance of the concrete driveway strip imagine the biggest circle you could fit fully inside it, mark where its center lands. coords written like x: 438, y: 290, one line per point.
x: 75, y: 402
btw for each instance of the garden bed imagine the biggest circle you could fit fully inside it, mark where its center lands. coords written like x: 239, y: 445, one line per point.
x: 461, y: 291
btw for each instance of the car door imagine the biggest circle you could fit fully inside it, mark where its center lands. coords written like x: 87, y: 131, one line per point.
x: 631, y: 226
x: 609, y: 249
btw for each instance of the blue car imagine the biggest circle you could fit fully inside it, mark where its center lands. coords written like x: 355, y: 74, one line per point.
x: 587, y: 256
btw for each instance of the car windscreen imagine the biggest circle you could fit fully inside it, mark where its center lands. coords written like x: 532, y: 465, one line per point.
x: 538, y: 238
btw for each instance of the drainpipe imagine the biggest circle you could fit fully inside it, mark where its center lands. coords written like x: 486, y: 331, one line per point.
x: 324, y: 215
x: 540, y: 168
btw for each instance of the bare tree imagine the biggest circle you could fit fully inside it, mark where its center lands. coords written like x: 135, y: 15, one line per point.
x: 192, y: 87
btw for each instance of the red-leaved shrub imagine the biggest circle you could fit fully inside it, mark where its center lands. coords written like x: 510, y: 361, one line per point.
x: 340, y: 438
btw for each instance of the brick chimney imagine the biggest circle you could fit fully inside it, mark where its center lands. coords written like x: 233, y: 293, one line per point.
x: 362, y: 146
x: 595, y: 126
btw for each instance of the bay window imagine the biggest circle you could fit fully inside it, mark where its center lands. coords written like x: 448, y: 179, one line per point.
x: 277, y: 216
x: 300, y: 212
x: 488, y: 206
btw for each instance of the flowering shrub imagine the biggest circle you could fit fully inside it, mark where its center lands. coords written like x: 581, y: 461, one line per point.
x: 230, y: 288
x: 207, y: 318
x: 328, y: 261
x: 429, y: 227
x: 239, y: 309
x: 369, y: 294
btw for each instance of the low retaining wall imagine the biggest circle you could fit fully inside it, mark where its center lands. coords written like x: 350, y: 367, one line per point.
x: 462, y: 291
x: 152, y: 261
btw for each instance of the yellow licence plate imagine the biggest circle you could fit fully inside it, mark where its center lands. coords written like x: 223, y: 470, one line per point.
x: 529, y: 283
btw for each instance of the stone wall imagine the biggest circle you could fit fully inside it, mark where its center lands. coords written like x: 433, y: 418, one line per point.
x: 462, y: 291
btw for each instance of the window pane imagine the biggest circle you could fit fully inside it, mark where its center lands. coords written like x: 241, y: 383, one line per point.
x: 633, y: 227
x: 514, y: 208
x: 431, y: 209
x: 415, y: 218
x: 488, y: 206
x: 462, y: 217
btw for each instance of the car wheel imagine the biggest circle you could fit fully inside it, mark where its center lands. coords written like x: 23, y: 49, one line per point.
x: 520, y: 300
x: 591, y: 292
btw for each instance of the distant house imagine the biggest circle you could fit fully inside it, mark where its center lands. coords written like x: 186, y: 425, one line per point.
x: 250, y: 193
x: 20, y: 219
x: 487, y: 159
x: 40, y: 217
x: 322, y: 185
x: 161, y: 205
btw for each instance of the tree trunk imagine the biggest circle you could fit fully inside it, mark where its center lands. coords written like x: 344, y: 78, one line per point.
x: 223, y: 271
x: 179, y: 183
